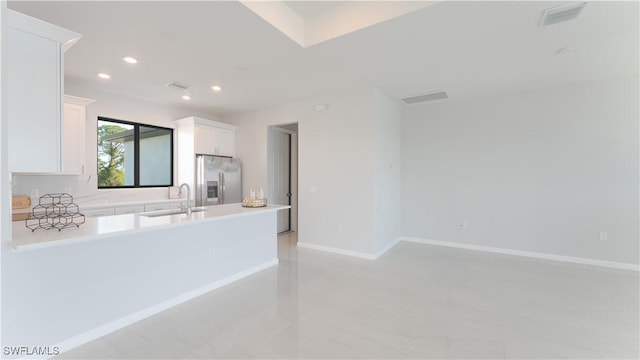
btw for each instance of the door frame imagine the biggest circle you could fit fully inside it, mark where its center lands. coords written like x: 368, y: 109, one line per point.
x: 293, y: 169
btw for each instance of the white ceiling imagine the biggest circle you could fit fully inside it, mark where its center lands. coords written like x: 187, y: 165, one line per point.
x: 469, y: 49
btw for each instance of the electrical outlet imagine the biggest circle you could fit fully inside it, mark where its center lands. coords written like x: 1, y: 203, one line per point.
x: 604, y: 236
x: 462, y: 225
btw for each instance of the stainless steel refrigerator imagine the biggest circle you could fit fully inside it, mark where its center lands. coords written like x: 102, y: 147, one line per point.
x: 218, y: 180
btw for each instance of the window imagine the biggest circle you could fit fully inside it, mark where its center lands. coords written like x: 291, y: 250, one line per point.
x: 133, y: 155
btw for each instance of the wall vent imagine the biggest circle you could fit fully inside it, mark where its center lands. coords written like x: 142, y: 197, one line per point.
x: 177, y: 86
x: 562, y: 13
x: 425, y: 97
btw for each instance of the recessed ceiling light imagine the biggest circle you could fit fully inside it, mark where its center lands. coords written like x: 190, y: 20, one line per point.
x: 130, y: 60
x: 216, y: 88
x: 104, y: 75
x: 565, y: 50
x: 186, y: 97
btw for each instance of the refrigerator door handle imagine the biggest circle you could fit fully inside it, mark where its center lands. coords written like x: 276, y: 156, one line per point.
x: 221, y: 186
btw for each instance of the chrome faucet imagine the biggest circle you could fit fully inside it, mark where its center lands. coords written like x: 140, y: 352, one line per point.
x: 188, y: 209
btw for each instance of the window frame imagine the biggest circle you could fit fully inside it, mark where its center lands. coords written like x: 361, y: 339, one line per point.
x: 136, y: 154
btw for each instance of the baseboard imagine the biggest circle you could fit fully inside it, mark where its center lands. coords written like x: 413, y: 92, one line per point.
x: 105, y: 329
x: 357, y: 254
x: 531, y: 254
x: 386, y: 248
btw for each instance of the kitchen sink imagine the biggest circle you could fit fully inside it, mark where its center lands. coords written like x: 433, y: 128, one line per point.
x: 171, y: 212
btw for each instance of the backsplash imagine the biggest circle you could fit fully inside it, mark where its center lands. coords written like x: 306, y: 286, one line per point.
x: 83, y: 188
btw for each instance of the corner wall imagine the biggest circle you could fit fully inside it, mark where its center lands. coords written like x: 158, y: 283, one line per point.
x: 336, y: 174
x: 544, y: 171
x: 341, y: 151
x: 388, y: 171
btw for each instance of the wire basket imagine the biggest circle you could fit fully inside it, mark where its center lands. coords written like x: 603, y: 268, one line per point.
x: 254, y: 203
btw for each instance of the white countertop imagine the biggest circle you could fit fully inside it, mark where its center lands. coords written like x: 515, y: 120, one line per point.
x: 109, y: 226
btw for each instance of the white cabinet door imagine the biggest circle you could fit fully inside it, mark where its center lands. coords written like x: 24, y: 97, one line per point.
x: 162, y: 206
x: 129, y: 209
x: 224, y: 141
x: 73, y: 138
x: 33, y: 102
x: 34, y: 83
x: 98, y: 212
x: 204, y: 136
x: 213, y: 140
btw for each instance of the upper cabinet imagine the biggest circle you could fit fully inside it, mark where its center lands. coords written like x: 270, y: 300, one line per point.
x: 34, y: 91
x: 74, y: 135
x: 215, y: 140
x: 201, y: 136
x: 207, y: 136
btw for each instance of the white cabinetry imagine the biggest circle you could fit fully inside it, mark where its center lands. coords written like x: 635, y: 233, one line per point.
x: 134, y: 209
x: 214, y: 140
x: 203, y: 141
x: 34, y: 86
x: 130, y: 209
x: 161, y: 206
x: 201, y: 136
x: 73, y: 135
x: 98, y: 212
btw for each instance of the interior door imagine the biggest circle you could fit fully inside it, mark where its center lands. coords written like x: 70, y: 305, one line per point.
x: 281, y: 191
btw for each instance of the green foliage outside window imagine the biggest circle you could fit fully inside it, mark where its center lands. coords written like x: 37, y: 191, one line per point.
x: 110, y: 155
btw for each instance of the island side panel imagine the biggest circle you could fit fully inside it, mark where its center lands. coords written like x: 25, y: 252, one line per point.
x: 59, y: 294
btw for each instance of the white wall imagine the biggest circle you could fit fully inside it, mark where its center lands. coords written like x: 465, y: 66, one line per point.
x: 543, y: 171
x: 85, y: 187
x: 336, y: 174
x: 341, y: 153
x: 388, y: 171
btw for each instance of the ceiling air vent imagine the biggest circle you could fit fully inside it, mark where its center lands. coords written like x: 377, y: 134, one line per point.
x: 562, y: 13
x: 177, y: 86
x: 426, y: 97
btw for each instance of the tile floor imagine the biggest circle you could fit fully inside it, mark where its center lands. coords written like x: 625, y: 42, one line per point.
x: 416, y: 301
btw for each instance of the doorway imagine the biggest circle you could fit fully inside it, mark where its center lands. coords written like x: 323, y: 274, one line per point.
x: 282, y: 163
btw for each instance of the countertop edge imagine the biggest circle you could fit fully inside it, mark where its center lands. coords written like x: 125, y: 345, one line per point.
x: 89, y: 238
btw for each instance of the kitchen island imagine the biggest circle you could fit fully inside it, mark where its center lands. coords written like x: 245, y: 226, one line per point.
x: 64, y: 288
x: 118, y: 225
